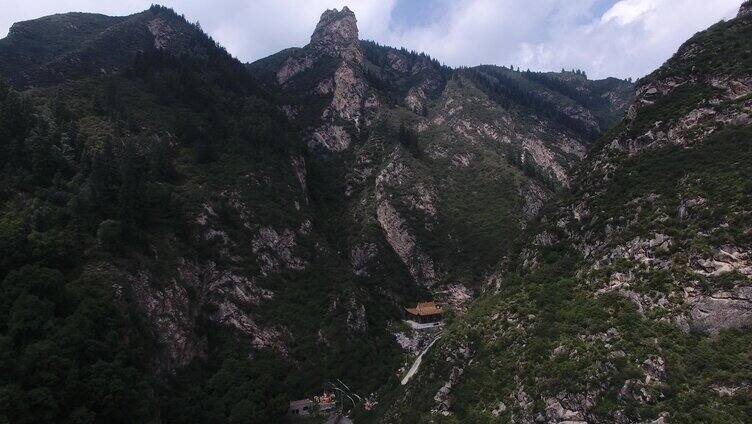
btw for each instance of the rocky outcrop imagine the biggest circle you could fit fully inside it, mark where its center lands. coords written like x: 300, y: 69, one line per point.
x: 720, y: 310
x: 335, y: 38
x: 745, y: 10
x: 172, y: 315
x: 161, y: 31
x: 647, y: 390
x: 457, y: 360
x: 687, y: 206
x: 299, y: 168
x: 292, y: 67
x: 275, y: 251
x: 534, y: 197
x: 726, y: 100
x: 724, y: 260
x: 522, y: 139
x: 543, y: 158
x: 415, y: 197
x: 355, y: 319
x: 350, y: 92
x: 354, y: 313
x: 333, y: 138
x: 336, y: 34
x: 402, y: 241
x: 173, y: 308
x: 233, y: 296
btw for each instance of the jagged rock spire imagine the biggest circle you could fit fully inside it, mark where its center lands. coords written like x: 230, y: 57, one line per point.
x: 336, y: 31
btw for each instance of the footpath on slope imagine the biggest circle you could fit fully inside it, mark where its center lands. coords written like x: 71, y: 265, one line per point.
x: 418, y: 360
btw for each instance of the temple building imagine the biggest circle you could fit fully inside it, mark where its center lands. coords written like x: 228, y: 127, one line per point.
x: 424, y: 313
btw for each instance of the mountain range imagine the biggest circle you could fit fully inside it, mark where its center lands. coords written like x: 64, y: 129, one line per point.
x: 188, y: 238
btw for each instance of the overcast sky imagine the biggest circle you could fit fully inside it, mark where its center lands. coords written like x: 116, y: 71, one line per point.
x: 622, y: 38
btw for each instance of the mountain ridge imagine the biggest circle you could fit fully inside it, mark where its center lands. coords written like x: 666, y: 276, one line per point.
x: 627, y: 301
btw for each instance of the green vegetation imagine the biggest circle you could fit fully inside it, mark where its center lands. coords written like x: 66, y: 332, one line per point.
x: 715, y: 170
x: 96, y: 174
x: 584, y: 321
x: 507, y: 87
x: 513, y: 337
x: 171, y: 250
x: 722, y: 49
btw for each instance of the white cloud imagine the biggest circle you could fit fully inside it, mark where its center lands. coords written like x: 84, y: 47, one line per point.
x: 627, y: 11
x: 631, y: 38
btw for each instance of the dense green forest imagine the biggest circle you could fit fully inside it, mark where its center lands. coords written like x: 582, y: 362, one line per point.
x: 78, y: 199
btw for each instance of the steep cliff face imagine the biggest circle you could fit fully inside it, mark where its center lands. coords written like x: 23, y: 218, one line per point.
x: 624, y: 297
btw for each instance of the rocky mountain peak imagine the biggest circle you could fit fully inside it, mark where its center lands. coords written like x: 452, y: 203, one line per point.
x: 336, y: 30
x: 745, y: 9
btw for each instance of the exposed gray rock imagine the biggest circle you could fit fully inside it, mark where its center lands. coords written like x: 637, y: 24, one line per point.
x: 648, y: 389
x: 443, y: 399
x: 161, y: 31
x: 502, y: 408
x: 557, y: 413
x: 724, y: 260
x: 534, y: 197
x: 403, y: 243
x: 336, y: 33
x: 173, y: 312
x: 292, y: 67
x: 172, y: 316
x: 727, y: 391
x: 721, y: 310
x: 331, y: 137
x: 274, y: 250
x: 299, y: 167
x: 356, y: 317
x: 745, y: 10
x: 416, y: 341
x: 458, y: 296
x: 350, y: 94
x: 400, y: 237
x: 687, y: 205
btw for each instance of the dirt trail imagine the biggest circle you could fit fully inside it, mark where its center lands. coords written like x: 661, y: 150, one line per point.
x: 416, y: 364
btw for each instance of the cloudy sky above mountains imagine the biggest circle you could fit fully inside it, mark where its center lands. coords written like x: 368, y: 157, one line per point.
x: 622, y: 38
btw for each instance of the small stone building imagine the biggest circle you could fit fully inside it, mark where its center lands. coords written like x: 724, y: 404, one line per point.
x: 299, y: 408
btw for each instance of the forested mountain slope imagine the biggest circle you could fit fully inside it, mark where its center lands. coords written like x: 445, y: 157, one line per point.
x: 631, y: 299
x: 186, y: 238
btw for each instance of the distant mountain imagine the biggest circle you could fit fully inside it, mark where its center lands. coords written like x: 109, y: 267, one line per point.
x: 59, y: 48
x: 630, y: 300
